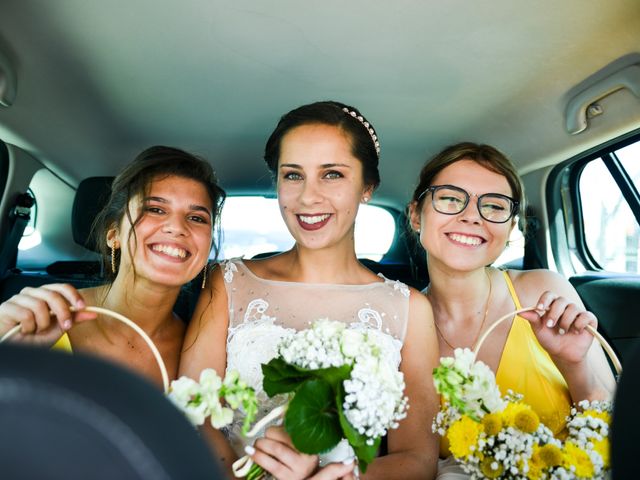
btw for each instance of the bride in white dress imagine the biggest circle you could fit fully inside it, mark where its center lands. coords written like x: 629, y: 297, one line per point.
x: 324, y: 157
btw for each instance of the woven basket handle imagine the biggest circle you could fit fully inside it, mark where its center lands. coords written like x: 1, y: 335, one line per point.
x: 605, y: 345
x: 126, y: 321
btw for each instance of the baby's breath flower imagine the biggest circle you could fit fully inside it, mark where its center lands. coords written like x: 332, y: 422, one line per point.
x: 374, y: 400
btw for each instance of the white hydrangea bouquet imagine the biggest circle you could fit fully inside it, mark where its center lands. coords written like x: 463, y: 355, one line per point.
x: 201, y: 399
x: 341, y: 386
x: 495, y: 436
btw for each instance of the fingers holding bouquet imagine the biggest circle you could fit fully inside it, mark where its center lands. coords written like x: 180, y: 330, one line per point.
x: 276, y: 454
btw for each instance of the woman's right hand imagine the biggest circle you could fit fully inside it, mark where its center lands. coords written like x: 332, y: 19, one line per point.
x: 44, y: 313
x: 337, y: 471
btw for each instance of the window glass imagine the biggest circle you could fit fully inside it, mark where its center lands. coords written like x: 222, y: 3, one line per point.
x: 610, y: 228
x: 47, y: 238
x: 253, y: 225
x: 513, y: 255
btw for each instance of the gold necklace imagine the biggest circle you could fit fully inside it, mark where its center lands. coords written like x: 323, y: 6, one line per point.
x: 484, y: 319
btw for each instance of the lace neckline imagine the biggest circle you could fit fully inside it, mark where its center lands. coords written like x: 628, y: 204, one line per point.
x: 249, y: 272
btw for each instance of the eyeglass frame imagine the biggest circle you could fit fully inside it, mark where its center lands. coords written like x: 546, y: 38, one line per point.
x: 433, y: 188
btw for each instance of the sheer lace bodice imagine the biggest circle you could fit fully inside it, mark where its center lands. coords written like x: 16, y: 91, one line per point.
x: 262, y: 311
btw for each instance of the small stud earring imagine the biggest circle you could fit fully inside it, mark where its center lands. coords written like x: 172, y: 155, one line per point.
x: 365, y: 200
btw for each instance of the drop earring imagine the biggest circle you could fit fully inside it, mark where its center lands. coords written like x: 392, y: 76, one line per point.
x: 113, y: 259
x: 204, y: 277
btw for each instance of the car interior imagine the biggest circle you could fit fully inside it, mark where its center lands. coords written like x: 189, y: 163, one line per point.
x: 86, y: 85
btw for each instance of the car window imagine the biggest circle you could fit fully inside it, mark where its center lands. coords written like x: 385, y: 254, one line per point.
x: 607, y: 189
x: 47, y: 237
x: 253, y: 225
x: 512, y: 255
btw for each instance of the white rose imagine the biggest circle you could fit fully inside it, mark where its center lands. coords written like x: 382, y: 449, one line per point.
x: 352, y: 341
x: 328, y: 328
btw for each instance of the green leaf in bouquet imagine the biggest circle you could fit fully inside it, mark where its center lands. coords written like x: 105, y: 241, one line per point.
x: 365, y: 453
x: 312, y: 418
x: 334, y: 376
x: 351, y: 434
x: 282, y: 377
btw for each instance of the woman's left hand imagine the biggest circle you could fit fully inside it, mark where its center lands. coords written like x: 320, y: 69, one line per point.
x: 560, y: 325
x: 276, y: 454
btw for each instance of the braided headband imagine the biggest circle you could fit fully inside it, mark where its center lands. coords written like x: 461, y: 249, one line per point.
x: 366, y: 124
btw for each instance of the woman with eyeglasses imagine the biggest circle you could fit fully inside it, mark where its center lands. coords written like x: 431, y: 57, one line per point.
x: 464, y: 209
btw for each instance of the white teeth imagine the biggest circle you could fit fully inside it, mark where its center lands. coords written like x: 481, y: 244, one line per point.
x: 466, y: 240
x: 314, y: 219
x: 171, y: 251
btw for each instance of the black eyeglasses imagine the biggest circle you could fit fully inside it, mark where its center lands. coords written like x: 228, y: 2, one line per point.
x: 451, y: 200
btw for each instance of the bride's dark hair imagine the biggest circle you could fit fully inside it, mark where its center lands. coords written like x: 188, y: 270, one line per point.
x: 364, y: 140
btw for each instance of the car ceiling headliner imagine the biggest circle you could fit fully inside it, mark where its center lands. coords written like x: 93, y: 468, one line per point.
x: 101, y: 80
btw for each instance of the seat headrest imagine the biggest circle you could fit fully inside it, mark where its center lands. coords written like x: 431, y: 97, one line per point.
x: 92, y: 195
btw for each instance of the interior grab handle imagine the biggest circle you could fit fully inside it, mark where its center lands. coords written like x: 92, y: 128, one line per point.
x: 576, y: 112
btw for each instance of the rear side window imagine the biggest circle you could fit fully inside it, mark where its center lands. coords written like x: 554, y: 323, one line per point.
x: 253, y: 225
x: 607, y: 218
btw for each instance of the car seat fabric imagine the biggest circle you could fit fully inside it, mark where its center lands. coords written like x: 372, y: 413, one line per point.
x: 91, y: 196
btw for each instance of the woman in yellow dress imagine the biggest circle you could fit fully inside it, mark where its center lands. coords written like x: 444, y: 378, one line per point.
x: 464, y: 210
x: 155, y: 235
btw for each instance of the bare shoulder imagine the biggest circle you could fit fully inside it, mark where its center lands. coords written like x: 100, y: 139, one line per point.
x: 275, y: 267
x: 418, y: 299
x: 93, y: 295
x: 421, y: 319
x: 530, y: 284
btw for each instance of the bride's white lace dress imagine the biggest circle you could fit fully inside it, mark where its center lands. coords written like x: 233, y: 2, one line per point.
x: 262, y: 311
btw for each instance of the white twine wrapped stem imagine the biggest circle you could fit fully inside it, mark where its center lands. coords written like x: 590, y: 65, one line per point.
x: 126, y: 321
x: 242, y: 466
x: 605, y: 345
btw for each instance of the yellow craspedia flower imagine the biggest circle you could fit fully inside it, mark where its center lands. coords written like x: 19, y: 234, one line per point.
x: 492, y: 423
x: 602, y: 448
x: 604, y: 415
x: 463, y: 436
x: 526, y: 421
x: 510, y: 412
x: 536, y: 465
x: 550, y: 455
x: 574, y: 456
x: 491, y: 468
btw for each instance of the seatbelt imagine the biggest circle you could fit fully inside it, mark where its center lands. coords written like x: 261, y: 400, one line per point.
x: 19, y: 218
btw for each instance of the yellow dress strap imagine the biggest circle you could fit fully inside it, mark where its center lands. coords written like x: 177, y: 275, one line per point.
x: 63, y: 344
x: 526, y: 368
x: 512, y: 290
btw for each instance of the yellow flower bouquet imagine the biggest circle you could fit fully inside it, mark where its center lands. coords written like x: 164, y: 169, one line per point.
x: 499, y: 436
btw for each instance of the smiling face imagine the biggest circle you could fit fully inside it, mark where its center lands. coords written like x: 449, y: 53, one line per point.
x: 173, y: 234
x: 320, y: 185
x: 463, y: 241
